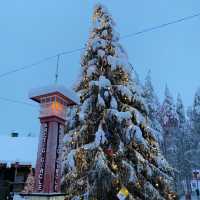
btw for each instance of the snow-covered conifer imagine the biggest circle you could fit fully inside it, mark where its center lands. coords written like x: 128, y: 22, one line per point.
x: 169, y: 119
x: 182, y: 139
x: 180, y: 111
x: 153, y: 105
x: 193, y: 127
x: 196, y: 112
x: 110, y: 151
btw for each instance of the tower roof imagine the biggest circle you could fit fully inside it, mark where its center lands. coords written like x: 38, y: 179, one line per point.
x: 60, y: 90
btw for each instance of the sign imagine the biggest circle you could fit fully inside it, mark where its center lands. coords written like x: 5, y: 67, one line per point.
x: 58, y: 158
x: 123, y: 194
x: 44, y: 131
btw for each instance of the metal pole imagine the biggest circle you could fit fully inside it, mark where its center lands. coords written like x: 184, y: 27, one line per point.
x: 57, y: 68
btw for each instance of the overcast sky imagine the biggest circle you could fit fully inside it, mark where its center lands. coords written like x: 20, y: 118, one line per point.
x: 31, y: 30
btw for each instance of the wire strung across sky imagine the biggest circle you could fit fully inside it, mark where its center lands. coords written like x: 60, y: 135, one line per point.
x: 28, y: 66
x: 161, y: 25
x: 38, y: 62
x: 18, y: 102
x: 82, y: 48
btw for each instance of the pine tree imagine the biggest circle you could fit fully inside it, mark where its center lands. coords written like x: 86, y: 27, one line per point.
x: 170, y: 121
x: 110, y: 152
x: 180, y: 110
x: 196, y: 113
x: 183, y: 138
x: 193, y: 142
x: 153, y: 106
x: 169, y: 117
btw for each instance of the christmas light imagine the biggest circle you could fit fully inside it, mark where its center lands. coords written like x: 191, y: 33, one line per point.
x: 114, y: 166
x: 157, y: 184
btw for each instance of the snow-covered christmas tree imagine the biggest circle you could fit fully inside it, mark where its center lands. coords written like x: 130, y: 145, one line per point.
x: 110, y: 151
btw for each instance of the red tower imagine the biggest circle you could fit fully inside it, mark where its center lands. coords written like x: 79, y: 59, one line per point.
x: 53, y: 101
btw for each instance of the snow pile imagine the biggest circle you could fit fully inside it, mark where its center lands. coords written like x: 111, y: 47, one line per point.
x: 103, y: 82
x: 91, y: 70
x: 101, y: 53
x: 168, y: 111
x: 113, y: 103
x: 100, y: 137
x: 100, y: 101
x: 123, y: 115
x: 116, y: 62
x: 135, y: 132
x: 125, y: 92
x: 70, y: 162
x: 97, y: 43
x: 137, y: 115
x: 161, y: 162
x: 131, y: 172
x: 67, y: 138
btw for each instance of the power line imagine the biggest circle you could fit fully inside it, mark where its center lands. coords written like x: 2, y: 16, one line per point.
x: 26, y: 66
x: 17, y: 102
x: 161, y: 26
x: 82, y: 48
x: 38, y: 62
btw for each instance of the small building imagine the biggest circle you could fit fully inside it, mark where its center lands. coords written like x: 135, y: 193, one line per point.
x: 17, y: 157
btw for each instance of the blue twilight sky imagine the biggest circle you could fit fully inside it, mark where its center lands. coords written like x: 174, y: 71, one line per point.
x: 31, y: 30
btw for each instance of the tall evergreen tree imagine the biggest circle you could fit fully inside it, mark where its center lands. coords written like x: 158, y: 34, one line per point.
x: 180, y: 110
x: 110, y: 152
x: 196, y: 113
x: 193, y: 144
x: 153, y: 105
x: 183, y: 139
x: 170, y: 121
x: 169, y: 117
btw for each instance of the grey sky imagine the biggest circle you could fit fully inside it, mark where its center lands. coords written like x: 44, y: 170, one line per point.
x: 31, y: 30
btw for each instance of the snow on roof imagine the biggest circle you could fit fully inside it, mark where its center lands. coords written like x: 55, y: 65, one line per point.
x: 18, y: 149
x: 52, y: 89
